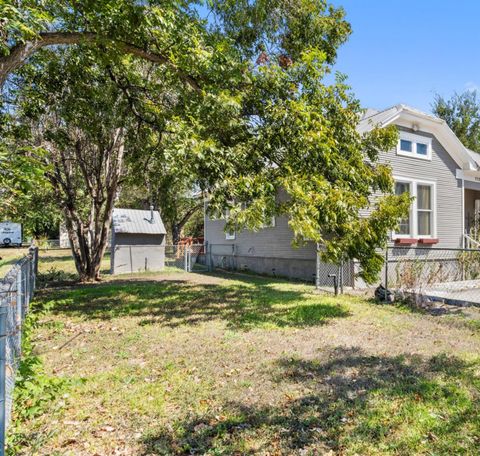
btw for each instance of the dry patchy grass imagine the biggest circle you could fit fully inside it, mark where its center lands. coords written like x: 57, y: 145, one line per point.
x: 220, y: 365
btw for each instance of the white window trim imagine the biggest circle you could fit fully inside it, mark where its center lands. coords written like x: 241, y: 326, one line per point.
x: 415, y: 139
x: 414, y: 211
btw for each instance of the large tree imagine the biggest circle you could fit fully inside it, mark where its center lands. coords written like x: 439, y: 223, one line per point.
x: 77, y: 127
x: 305, y: 158
x: 242, y: 103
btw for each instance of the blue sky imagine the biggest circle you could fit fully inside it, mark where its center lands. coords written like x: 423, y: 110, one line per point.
x: 405, y: 51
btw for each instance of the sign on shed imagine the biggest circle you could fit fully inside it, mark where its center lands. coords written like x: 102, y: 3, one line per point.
x: 138, y: 241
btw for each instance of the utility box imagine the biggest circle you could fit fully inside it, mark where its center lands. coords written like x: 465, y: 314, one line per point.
x: 10, y: 234
x: 138, y: 241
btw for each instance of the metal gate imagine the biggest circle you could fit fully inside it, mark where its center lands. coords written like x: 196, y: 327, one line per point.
x: 183, y: 256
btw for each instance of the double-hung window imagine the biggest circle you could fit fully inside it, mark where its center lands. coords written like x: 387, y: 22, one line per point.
x: 416, y: 146
x: 424, y: 210
x: 404, y: 225
x: 421, y: 220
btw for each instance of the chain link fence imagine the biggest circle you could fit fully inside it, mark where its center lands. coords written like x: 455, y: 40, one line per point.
x: 184, y: 257
x: 434, y: 274
x: 16, y: 292
x: 306, y: 266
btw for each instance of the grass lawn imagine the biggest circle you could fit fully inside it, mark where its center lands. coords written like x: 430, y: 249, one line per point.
x: 9, y: 256
x: 176, y: 363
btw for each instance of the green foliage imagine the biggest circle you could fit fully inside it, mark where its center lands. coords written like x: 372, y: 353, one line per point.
x: 27, y: 197
x: 308, y: 161
x: 21, y: 21
x: 282, y: 27
x: 462, y: 114
x: 36, y: 391
x: 469, y: 263
x: 260, y: 121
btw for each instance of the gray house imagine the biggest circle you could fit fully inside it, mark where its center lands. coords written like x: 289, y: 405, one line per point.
x: 138, y: 241
x: 429, y: 162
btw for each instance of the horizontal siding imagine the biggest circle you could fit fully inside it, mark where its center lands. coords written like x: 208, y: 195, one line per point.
x: 442, y: 170
x: 276, y: 242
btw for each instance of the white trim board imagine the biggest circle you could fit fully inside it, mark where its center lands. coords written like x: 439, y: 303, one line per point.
x: 408, y: 117
x: 415, y: 139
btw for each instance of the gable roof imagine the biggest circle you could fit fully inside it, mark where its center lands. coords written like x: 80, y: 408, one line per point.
x: 413, y: 118
x: 137, y: 222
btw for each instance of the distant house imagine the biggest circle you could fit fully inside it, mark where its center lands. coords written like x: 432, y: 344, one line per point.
x: 138, y: 241
x: 429, y: 162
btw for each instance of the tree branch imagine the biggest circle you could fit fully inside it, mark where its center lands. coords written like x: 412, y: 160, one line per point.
x: 22, y: 51
x: 188, y: 214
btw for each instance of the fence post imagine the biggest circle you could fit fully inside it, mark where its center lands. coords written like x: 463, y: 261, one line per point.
x: 35, y: 269
x: 207, y: 256
x: 342, y: 265
x: 386, y: 274
x: 185, y: 259
x: 18, y: 316
x: 317, y: 269
x: 3, y: 364
x: 210, y: 257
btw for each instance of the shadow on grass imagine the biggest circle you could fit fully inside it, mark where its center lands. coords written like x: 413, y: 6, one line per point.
x: 243, y: 304
x: 350, y: 403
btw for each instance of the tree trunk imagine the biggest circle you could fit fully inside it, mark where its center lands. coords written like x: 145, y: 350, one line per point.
x: 89, y: 237
x: 178, y: 226
x: 176, y: 232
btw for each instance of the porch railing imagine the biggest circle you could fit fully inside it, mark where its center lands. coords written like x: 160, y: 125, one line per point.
x: 470, y: 243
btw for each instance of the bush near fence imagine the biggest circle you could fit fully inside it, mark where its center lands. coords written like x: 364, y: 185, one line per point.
x: 422, y: 270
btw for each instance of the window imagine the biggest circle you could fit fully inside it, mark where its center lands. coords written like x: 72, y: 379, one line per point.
x: 229, y: 235
x: 269, y: 222
x: 406, y: 146
x: 416, y: 146
x: 422, y: 149
x: 421, y: 222
x: 424, y: 210
x: 404, y: 224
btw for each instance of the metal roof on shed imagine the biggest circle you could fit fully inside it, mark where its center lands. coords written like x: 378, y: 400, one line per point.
x: 137, y: 221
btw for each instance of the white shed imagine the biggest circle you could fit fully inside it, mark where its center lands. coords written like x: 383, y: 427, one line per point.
x: 138, y: 241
